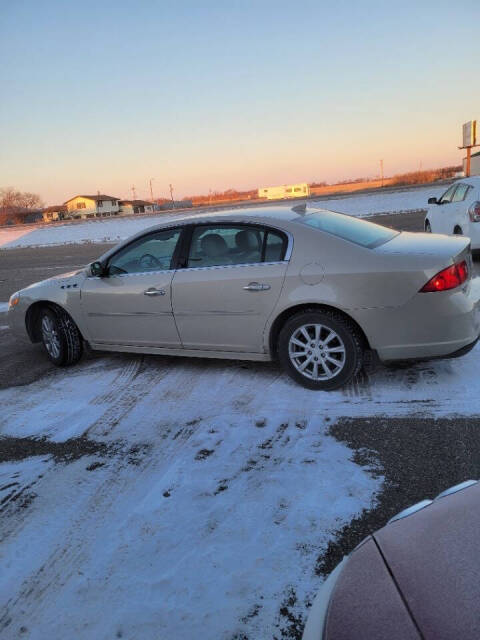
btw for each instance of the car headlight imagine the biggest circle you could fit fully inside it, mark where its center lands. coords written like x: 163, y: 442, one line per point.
x: 14, y: 300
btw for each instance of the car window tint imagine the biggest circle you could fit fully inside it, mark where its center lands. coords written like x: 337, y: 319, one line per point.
x: 275, y: 247
x: 224, y: 245
x: 461, y: 192
x: 366, y: 234
x: 149, y: 253
x: 448, y: 195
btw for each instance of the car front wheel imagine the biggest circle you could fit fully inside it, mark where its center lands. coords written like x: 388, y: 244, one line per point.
x: 320, y: 349
x: 60, y: 337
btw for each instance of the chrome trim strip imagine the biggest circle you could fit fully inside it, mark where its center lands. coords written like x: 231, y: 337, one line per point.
x: 231, y: 266
x: 143, y: 273
x: 139, y: 273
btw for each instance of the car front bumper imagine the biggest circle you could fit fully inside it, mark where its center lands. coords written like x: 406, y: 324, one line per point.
x: 16, y: 321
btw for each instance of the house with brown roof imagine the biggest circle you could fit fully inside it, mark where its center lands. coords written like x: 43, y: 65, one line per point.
x: 98, y: 206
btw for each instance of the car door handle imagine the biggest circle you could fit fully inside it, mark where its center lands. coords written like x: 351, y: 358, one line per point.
x: 154, y: 292
x: 256, y: 286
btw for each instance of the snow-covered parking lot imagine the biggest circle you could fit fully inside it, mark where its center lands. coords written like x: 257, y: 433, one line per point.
x: 154, y: 497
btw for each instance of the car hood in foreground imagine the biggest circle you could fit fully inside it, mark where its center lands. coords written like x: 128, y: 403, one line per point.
x: 418, y: 577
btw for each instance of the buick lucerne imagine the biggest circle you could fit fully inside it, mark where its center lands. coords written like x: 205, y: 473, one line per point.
x: 315, y: 289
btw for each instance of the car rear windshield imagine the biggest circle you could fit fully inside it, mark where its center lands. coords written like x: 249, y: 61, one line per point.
x: 366, y: 234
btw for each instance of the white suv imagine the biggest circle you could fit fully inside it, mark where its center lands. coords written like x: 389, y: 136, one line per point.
x: 457, y: 211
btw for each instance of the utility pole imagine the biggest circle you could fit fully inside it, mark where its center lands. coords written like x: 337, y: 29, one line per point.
x: 134, y: 193
x: 381, y: 170
x: 151, y: 190
x: 171, y: 196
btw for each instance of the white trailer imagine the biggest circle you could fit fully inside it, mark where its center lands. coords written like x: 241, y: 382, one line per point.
x: 301, y: 190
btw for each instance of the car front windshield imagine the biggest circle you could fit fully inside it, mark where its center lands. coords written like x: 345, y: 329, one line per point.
x: 361, y: 232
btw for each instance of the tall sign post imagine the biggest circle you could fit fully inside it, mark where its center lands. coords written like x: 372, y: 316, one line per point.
x: 470, y: 140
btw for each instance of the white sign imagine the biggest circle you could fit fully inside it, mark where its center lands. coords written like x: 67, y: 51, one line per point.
x: 470, y: 133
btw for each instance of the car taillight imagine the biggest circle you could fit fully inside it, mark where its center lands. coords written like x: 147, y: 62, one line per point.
x: 448, y: 278
x: 474, y: 212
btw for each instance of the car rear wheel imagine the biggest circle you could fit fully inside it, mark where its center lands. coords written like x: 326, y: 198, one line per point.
x: 60, y: 337
x: 320, y: 349
x: 458, y: 231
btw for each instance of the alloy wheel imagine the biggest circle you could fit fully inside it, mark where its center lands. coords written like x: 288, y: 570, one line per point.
x: 317, y: 352
x: 50, y: 337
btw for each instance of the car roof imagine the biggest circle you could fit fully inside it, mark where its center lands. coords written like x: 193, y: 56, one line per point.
x: 277, y: 213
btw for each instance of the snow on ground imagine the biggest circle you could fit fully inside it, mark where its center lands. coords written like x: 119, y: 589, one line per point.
x: 205, y: 516
x: 383, y: 202
x: 114, y: 230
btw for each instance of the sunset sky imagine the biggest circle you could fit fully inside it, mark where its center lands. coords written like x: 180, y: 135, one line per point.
x: 102, y: 95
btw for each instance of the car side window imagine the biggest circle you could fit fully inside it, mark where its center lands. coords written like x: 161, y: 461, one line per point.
x: 448, y: 195
x: 275, y: 246
x: 461, y: 192
x: 214, y: 245
x: 153, y: 252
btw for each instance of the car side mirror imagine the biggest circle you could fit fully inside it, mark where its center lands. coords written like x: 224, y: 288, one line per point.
x: 97, y: 269
x: 432, y: 201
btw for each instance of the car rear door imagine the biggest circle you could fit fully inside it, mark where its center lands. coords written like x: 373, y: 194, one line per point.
x: 229, y: 286
x: 131, y: 304
x: 459, y: 208
x: 444, y: 212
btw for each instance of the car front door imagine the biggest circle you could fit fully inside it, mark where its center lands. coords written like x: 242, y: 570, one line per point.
x: 131, y: 304
x: 229, y: 286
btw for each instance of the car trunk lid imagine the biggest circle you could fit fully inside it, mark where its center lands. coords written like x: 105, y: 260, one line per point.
x: 426, y: 244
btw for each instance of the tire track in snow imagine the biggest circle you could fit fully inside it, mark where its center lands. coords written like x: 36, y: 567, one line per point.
x: 64, y: 561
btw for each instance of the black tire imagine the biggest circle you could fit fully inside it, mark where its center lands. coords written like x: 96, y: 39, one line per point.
x: 347, y: 340
x: 458, y: 231
x: 64, y: 345
x: 428, y: 227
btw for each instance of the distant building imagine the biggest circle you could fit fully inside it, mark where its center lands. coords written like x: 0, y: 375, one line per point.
x: 474, y: 164
x: 176, y: 204
x: 54, y: 213
x: 135, y: 206
x: 98, y: 206
x: 301, y: 190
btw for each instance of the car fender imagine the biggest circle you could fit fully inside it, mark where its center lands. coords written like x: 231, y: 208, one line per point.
x: 63, y: 291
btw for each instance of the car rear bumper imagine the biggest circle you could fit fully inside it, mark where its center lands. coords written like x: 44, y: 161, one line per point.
x: 430, y: 325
